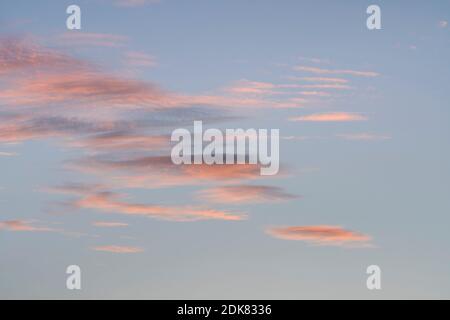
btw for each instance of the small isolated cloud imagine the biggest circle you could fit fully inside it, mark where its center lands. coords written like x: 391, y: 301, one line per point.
x: 7, y: 154
x: 314, y: 93
x: 109, y: 224
x: 330, y: 117
x: 321, y: 235
x: 118, y: 249
x: 443, y: 24
x: 245, y: 194
x: 336, y: 71
x: 324, y: 79
x: 140, y: 59
x: 363, y: 136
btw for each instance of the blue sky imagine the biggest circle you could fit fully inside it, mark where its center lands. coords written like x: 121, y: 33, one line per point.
x: 85, y: 179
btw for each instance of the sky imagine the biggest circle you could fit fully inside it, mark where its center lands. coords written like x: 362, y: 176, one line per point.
x: 86, y: 175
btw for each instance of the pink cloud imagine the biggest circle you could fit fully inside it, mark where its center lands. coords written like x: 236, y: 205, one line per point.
x: 321, y: 235
x: 21, y: 225
x: 117, y: 141
x: 245, y: 194
x: 109, y: 202
x: 96, y: 198
x: 330, y: 117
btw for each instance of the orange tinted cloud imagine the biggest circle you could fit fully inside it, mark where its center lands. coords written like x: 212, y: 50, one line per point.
x: 96, y: 198
x: 331, y: 117
x: 109, y: 224
x: 118, y: 249
x: 245, y: 194
x: 321, y: 235
x: 53, y: 78
x: 337, y: 71
x: 18, y: 55
x: 159, y: 171
x: 21, y: 225
x: 117, y: 141
x: 84, y: 88
x: 109, y: 202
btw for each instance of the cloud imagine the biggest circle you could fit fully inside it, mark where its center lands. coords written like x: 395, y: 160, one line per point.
x: 245, y: 194
x: 330, y: 117
x: 122, y: 141
x: 159, y: 171
x: 139, y: 59
x: 58, y: 84
x: 252, y: 87
x: 314, y: 60
x: 363, y: 136
x: 324, y: 79
x: 321, y: 235
x: 337, y: 71
x: 7, y: 154
x: 118, y: 249
x: 443, y: 24
x: 22, y: 225
x: 96, y: 198
x: 314, y: 93
x: 85, y: 89
x: 24, y: 55
x: 109, y: 202
x: 109, y: 224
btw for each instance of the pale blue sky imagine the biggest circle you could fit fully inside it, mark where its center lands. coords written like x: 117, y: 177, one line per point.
x: 386, y: 177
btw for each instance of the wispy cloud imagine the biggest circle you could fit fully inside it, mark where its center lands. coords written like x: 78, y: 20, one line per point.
x: 118, y: 249
x: 22, y: 54
x: 443, y: 23
x: 364, y: 136
x: 330, y: 117
x: 336, y: 71
x: 245, y: 194
x: 159, y: 171
x: 117, y: 141
x: 109, y: 202
x: 109, y: 224
x: 7, y: 154
x: 324, y: 79
x: 321, y: 235
x: 97, y: 198
x: 139, y: 59
x: 22, y: 225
